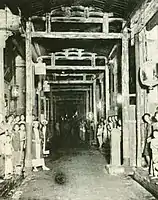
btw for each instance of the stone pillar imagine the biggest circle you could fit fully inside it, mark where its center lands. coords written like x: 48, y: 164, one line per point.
x: 115, y: 162
x: 20, y: 81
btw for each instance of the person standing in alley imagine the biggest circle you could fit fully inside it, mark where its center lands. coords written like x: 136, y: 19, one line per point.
x: 146, y: 154
x: 100, y: 135
x: 16, y: 146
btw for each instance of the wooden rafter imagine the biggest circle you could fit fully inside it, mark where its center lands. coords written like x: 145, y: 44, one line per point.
x: 112, y: 51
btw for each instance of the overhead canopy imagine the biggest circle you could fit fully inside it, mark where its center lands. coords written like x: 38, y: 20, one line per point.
x: 120, y: 8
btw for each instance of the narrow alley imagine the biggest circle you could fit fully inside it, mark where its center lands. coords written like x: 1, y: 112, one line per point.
x: 86, y: 179
x: 79, y: 99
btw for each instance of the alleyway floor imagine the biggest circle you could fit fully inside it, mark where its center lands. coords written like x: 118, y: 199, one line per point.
x: 86, y: 179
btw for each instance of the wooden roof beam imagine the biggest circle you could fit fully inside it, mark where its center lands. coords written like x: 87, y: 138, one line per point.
x: 70, y: 90
x: 69, y: 99
x: 77, y: 68
x: 67, y: 75
x: 72, y: 75
x: 70, y: 82
x: 76, y: 35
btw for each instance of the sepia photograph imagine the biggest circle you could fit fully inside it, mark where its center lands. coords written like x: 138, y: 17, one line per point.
x: 78, y: 99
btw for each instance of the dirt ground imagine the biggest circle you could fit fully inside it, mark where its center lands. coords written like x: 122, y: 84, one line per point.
x: 85, y: 178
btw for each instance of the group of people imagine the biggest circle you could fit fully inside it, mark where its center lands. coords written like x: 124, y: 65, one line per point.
x: 104, y: 128
x: 13, y: 144
x: 67, y: 132
x: 86, y: 132
x: 150, y: 143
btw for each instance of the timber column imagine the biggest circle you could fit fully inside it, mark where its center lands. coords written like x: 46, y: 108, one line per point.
x: 125, y: 97
x: 20, y: 81
x: 29, y: 97
x: 87, y: 103
x: 138, y: 101
x: 107, y: 92
x: 102, y: 96
x: 95, y: 111
x: 2, y: 46
x: 3, y: 37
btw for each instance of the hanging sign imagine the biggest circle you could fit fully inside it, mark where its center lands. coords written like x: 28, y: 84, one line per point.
x: 40, y: 67
x: 46, y: 86
x: 149, y: 74
x: 15, y: 91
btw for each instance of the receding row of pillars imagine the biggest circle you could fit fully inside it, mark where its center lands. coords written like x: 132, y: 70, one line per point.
x: 30, y: 88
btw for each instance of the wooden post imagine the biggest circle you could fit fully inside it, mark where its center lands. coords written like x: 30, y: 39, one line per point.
x: 53, y: 60
x: 55, y: 110
x: 125, y: 96
x: 2, y: 46
x: 20, y: 80
x: 94, y: 110
x: 102, y: 97
x: 115, y: 71
x: 138, y: 101
x: 90, y: 99
x: 39, y: 97
x: 48, y: 22
x: 87, y: 103
x: 29, y: 106
x: 141, y: 94
x: 106, y: 23
x: 51, y: 111
x: 106, y: 86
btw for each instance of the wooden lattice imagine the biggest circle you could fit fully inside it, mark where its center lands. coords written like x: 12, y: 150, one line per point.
x: 76, y: 14
x: 73, y: 54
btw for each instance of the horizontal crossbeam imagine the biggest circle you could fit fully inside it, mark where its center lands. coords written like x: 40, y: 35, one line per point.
x: 78, y: 68
x: 76, y: 35
x: 70, y: 90
x: 70, y: 82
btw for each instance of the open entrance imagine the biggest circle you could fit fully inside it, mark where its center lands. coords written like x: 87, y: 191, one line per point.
x: 69, y: 111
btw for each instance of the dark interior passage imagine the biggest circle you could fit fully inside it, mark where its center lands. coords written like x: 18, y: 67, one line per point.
x: 69, y: 115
